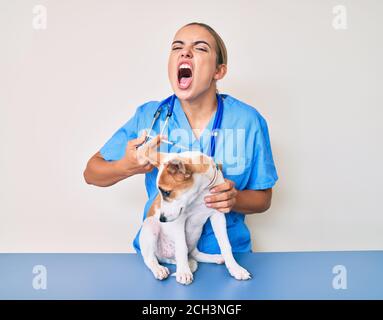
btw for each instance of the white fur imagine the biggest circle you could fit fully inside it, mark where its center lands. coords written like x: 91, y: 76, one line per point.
x: 176, y: 241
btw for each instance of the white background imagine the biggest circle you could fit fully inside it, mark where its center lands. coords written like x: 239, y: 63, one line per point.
x: 65, y: 90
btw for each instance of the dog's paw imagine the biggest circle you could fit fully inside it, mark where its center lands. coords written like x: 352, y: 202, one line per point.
x: 160, y: 272
x: 184, y: 277
x: 239, y: 273
x: 193, y: 265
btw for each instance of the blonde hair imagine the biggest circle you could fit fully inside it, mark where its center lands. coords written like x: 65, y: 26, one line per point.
x: 219, y: 44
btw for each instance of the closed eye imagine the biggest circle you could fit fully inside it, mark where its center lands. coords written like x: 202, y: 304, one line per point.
x: 165, y: 193
x: 200, y: 49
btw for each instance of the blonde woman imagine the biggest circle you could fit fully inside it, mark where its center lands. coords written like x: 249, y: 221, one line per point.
x: 242, y: 145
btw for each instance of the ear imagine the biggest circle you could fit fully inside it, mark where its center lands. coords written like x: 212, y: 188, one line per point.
x: 220, y: 72
x: 157, y: 158
x: 147, y: 154
x: 177, y: 166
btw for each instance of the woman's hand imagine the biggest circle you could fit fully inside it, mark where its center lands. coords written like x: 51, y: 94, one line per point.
x: 223, y: 197
x: 103, y: 173
x: 132, y: 163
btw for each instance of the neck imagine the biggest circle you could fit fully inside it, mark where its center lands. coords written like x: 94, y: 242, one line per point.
x: 200, y: 107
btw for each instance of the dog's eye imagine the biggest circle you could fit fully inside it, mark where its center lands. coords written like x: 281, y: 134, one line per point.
x: 165, y: 193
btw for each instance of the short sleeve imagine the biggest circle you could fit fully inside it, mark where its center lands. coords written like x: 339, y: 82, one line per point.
x: 114, y: 148
x: 263, y: 173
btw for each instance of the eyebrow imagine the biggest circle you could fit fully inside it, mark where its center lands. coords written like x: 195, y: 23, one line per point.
x: 194, y: 43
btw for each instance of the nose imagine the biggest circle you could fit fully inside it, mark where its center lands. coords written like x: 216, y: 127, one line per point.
x: 186, y: 52
x: 162, y: 218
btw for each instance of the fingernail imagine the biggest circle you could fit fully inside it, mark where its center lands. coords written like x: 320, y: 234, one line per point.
x: 209, y: 205
x: 207, y: 199
x: 213, y: 190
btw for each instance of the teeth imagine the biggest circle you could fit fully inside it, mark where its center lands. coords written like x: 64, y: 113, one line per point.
x: 184, y: 66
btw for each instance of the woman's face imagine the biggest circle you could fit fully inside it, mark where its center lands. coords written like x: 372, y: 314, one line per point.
x: 192, y: 62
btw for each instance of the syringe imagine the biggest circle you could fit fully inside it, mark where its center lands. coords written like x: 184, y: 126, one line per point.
x: 170, y: 142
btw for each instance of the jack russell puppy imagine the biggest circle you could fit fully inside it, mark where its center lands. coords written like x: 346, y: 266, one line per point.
x: 174, y: 222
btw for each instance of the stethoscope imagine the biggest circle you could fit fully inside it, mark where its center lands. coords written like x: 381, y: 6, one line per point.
x: 170, y: 103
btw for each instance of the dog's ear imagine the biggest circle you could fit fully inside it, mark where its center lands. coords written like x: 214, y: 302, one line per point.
x: 177, y: 166
x: 157, y: 158
x: 148, y: 153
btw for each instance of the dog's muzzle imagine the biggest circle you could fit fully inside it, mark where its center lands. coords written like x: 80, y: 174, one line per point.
x: 163, y: 218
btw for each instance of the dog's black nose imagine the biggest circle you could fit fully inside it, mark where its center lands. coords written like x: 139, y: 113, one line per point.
x: 162, y: 218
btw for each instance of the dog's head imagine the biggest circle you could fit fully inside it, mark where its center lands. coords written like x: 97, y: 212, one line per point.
x: 181, y: 178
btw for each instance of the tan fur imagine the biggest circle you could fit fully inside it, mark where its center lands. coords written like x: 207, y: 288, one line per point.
x: 197, y: 164
x: 175, y: 181
x: 155, y: 205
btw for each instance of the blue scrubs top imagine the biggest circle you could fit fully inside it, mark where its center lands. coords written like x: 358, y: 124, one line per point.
x: 242, y: 147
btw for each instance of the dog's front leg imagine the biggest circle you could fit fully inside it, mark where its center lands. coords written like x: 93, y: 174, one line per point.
x: 218, y: 222
x: 183, y: 273
x: 148, y: 243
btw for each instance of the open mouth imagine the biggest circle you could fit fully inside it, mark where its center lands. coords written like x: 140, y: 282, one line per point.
x: 185, y: 76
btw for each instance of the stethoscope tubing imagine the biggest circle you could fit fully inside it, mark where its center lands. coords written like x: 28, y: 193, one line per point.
x: 170, y: 102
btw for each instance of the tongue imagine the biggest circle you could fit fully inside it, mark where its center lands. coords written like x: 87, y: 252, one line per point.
x: 185, y: 82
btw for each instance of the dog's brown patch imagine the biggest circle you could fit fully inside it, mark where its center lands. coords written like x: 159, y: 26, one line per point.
x: 199, y: 164
x: 155, y: 205
x: 177, y: 179
x: 175, y: 182
x: 177, y: 175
